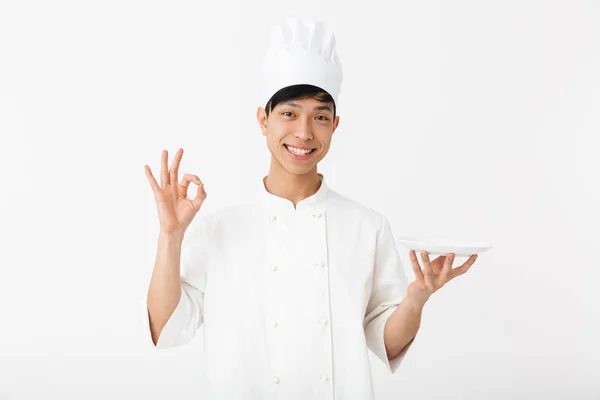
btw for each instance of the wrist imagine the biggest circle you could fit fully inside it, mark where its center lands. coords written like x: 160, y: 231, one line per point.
x: 172, y: 236
x: 415, y: 302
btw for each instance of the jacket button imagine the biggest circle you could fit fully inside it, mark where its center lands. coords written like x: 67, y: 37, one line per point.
x: 274, y: 267
x: 275, y: 324
x: 273, y: 217
x: 324, y: 377
x: 317, y: 215
x: 275, y: 379
x: 323, y: 321
x: 320, y: 264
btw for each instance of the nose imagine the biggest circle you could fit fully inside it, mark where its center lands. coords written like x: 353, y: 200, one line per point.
x: 304, y: 131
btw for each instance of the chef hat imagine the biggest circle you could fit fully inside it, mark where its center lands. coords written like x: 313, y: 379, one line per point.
x: 301, y: 51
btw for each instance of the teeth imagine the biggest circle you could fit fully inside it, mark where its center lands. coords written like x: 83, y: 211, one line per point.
x: 298, y: 152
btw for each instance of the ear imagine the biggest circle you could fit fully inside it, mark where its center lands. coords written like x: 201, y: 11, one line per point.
x: 261, y: 117
x: 336, y: 122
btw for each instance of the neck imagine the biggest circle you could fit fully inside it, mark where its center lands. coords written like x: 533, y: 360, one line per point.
x: 290, y: 186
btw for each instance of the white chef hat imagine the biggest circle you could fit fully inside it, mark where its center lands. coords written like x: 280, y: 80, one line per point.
x: 301, y: 51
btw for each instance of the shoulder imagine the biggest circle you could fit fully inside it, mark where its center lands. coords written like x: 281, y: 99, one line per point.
x: 348, y: 208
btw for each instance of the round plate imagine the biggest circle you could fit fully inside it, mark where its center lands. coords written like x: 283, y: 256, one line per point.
x: 444, y: 246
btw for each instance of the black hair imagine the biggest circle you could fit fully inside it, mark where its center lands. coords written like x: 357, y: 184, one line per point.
x: 298, y: 92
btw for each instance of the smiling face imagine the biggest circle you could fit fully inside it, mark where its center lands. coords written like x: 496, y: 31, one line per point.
x: 295, y: 126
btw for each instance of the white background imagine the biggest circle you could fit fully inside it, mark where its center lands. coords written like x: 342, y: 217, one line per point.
x: 467, y: 119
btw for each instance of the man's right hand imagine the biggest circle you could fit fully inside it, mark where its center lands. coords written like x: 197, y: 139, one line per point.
x: 175, y: 210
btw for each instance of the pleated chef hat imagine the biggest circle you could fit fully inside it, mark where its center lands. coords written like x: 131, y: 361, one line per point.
x: 301, y: 51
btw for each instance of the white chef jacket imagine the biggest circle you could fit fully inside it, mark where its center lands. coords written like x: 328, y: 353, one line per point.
x: 290, y: 299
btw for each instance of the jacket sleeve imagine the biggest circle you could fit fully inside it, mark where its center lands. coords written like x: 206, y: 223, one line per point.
x: 390, y: 286
x: 188, y: 315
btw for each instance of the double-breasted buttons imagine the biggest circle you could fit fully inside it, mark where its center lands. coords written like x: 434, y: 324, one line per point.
x: 311, y: 225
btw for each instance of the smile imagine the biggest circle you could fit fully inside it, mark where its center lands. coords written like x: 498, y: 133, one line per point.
x: 298, y: 154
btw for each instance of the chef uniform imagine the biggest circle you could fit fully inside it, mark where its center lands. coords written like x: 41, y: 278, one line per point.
x: 290, y: 299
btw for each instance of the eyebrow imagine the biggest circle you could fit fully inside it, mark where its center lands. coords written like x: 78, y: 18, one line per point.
x: 317, y: 108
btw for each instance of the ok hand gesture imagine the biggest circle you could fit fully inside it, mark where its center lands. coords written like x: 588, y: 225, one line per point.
x: 175, y: 210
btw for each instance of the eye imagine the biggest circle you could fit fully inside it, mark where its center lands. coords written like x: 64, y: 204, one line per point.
x: 286, y: 112
x: 324, y: 117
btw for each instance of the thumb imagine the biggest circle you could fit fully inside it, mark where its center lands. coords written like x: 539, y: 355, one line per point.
x: 200, y: 197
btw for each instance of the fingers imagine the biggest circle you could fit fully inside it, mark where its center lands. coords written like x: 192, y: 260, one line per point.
x: 175, y: 166
x: 185, y: 182
x: 427, y: 270
x: 200, y: 197
x: 447, y: 266
x: 200, y: 194
x: 463, y: 268
x: 415, y: 265
x: 438, y: 264
x: 164, y: 171
x: 150, y: 177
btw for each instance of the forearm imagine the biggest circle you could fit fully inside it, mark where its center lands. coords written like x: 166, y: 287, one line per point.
x: 402, y: 326
x: 164, y: 290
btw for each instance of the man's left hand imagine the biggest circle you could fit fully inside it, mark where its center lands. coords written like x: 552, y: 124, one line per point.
x: 435, y: 274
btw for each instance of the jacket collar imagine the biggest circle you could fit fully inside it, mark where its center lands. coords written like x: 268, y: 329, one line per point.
x: 276, y: 204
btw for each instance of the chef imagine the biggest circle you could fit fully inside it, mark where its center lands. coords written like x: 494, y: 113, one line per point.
x: 293, y: 285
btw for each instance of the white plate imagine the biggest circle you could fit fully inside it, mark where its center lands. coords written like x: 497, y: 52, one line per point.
x: 444, y: 246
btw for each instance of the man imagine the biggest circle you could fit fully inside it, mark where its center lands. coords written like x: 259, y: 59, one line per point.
x: 293, y: 285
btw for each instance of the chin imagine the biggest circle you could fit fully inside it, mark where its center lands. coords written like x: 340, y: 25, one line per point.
x: 298, y: 171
